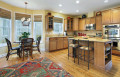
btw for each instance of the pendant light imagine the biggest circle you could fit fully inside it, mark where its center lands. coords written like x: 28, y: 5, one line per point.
x: 25, y: 20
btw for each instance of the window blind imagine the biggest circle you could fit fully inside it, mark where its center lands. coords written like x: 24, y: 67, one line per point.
x: 58, y: 20
x: 37, y: 18
x: 18, y: 16
x: 5, y: 13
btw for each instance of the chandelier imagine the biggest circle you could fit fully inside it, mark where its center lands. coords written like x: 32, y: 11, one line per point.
x: 25, y: 20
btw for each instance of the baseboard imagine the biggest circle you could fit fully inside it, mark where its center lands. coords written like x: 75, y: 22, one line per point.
x: 3, y: 55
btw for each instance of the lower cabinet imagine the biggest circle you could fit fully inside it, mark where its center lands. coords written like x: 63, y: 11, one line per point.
x: 56, y: 43
x: 52, y: 44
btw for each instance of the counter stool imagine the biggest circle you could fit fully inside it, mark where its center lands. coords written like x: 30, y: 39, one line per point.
x: 84, y: 48
x: 71, y: 43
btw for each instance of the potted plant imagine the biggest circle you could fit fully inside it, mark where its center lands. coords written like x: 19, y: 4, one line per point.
x: 25, y: 34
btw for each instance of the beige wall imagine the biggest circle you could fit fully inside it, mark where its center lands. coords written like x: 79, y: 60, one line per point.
x: 14, y: 9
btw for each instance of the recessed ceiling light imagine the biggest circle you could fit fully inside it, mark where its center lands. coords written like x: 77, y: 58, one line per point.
x: 77, y: 11
x: 105, y: 1
x: 77, y: 1
x: 61, y: 11
x: 60, y: 5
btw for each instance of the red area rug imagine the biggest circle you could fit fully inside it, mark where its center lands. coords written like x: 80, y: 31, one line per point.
x: 42, y: 67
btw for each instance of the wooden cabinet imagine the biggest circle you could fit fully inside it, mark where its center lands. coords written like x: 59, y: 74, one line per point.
x: 52, y: 44
x: 87, y: 21
x: 98, y: 22
x: 56, y: 43
x: 59, y: 43
x: 49, y: 22
x: 65, y: 43
x: 106, y: 17
x: 82, y: 24
x: 75, y: 24
x: 115, y: 16
x: 70, y: 24
x: 92, y: 20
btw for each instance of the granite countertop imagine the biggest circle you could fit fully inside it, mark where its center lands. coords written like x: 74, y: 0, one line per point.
x: 95, y: 39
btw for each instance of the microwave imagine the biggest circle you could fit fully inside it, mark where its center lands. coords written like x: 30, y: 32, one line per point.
x: 90, y: 27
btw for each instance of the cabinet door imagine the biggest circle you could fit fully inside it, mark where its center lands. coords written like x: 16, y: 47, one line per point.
x: 82, y: 24
x: 65, y: 25
x: 92, y: 20
x: 115, y: 15
x: 59, y: 43
x: 106, y: 17
x: 75, y: 24
x: 87, y: 21
x: 99, y: 23
x: 65, y: 43
x: 52, y: 44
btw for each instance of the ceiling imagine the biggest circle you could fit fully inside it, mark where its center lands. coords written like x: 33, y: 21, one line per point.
x: 68, y: 6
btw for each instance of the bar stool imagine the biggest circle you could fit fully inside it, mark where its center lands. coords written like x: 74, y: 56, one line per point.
x: 85, y: 47
x: 71, y: 43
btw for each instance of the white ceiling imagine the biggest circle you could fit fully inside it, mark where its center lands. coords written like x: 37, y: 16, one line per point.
x: 69, y: 6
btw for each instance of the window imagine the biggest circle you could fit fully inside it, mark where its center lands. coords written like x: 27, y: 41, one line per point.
x: 38, y: 26
x: 58, y: 25
x: 4, y: 29
x: 5, y: 25
x: 19, y: 28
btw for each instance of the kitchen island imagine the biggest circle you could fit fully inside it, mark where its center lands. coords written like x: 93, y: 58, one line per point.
x: 102, y: 57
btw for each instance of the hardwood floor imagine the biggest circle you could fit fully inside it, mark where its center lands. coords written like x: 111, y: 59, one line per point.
x: 61, y: 58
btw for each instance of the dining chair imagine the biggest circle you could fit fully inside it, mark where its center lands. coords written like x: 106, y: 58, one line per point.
x: 27, y: 45
x: 37, y: 45
x: 10, y: 49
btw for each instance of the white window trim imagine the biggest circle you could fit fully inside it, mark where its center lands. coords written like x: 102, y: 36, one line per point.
x: 34, y: 27
x: 15, y: 24
x: 5, y: 44
x: 62, y: 26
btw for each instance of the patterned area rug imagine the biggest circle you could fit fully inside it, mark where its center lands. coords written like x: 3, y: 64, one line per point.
x: 42, y: 67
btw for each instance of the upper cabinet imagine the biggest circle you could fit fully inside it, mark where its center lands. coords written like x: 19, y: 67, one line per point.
x: 106, y: 17
x: 49, y: 22
x: 75, y: 24
x: 99, y: 22
x: 115, y: 16
x: 70, y: 24
x: 111, y: 16
x: 82, y: 24
x: 90, y: 20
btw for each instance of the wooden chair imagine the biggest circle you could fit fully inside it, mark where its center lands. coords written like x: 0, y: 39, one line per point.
x: 10, y: 49
x: 71, y: 43
x: 27, y: 45
x: 84, y: 45
x: 37, y: 45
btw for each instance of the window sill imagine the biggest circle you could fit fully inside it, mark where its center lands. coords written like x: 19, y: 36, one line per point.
x: 3, y: 45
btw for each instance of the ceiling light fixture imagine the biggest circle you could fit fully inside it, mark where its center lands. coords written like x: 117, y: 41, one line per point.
x: 61, y: 11
x: 60, y: 5
x: 77, y: 11
x: 25, y: 20
x: 105, y: 1
x: 77, y: 1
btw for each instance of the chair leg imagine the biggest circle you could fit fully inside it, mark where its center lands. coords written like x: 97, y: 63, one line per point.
x: 84, y: 55
x: 31, y: 54
x: 8, y: 56
x: 74, y: 54
x: 38, y: 50
x: 23, y: 54
x: 68, y: 53
x: 78, y: 55
x: 88, y: 58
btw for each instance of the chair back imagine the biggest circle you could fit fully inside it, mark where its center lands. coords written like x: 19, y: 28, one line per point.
x: 38, y: 41
x: 71, y: 41
x: 27, y: 43
x: 84, y: 43
x: 8, y: 44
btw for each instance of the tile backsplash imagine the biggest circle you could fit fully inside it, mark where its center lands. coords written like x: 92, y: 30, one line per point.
x: 93, y: 33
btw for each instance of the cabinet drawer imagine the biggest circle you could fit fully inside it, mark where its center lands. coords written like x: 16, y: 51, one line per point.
x: 65, y: 38
x: 53, y: 38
